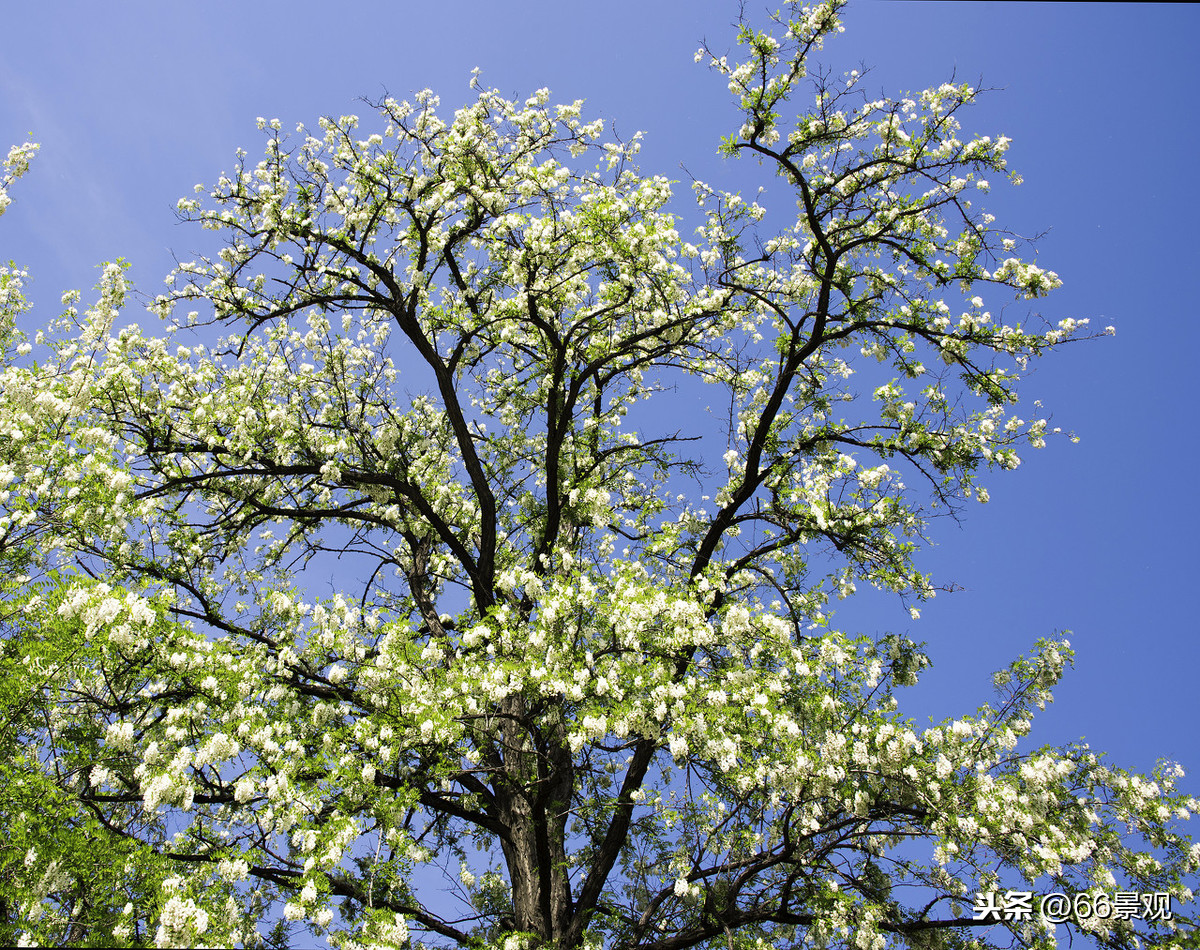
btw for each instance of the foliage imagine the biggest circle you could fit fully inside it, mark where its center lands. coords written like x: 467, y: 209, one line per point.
x: 574, y: 683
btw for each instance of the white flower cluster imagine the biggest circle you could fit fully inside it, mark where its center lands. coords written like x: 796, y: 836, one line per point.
x: 181, y: 921
x: 126, y: 619
x: 16, y: 164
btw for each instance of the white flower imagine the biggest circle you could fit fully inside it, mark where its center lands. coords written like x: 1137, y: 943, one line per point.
x: 243, y: 789
x: 120, y: 735
x: 232, y: 870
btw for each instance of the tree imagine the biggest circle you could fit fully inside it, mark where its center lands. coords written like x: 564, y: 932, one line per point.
x: 53, y: 846
x: 575, y: 683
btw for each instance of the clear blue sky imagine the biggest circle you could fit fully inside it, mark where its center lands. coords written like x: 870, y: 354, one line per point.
x: 135, y: 102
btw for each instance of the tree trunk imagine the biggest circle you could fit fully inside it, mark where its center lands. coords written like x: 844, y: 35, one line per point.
x: 533, y: 798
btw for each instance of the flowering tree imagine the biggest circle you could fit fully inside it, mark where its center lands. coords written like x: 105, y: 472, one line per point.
x: 408, y: 613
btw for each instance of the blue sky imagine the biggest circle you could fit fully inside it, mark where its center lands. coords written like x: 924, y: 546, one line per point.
x: 136, y: 102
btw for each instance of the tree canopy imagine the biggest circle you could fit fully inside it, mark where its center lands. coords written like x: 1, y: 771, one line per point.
x: 455, y: 567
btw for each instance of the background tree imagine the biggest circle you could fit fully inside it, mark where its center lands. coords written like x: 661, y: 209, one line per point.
x: 577, y: 656
x: 53, y: 846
